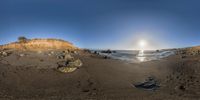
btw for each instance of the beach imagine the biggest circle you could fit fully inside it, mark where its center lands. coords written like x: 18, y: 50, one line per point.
x: 100, y: 79
x: 99, y: 50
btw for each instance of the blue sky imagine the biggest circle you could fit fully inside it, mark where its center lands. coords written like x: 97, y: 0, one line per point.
x: 103, y: 24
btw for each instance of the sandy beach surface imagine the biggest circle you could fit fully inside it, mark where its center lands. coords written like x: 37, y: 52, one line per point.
x: 33, y: 76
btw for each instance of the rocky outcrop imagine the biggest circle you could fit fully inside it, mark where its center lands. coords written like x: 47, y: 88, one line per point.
x: 67, y: 62
x: 40, y: 44
x: 69, y: 66
x: 108, y: 51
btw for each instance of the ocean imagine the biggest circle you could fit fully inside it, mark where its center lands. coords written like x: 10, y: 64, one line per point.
x: 134, y: 56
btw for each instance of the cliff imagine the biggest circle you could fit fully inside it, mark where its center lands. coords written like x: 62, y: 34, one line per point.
x: 40, y: 44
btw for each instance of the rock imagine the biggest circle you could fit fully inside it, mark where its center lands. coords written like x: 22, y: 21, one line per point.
x: 66, y: 52
x: 183, y: 52
x: 52, y: 52
x: 85, y: 90
x: 149, y: 84
x: 107, y: 51
x: 76, y: 63
x: 182, y: 88
x: 183, y: 57
x: 22, y: 55
x: 95, y: 52
x: 73, y: 52
x: 62, y: 63
x: 60, y: 57
x: 68, y: 57
x: 39, y: 52
x: 4, y: 54
x: 69, y: 66
x: 106, y: 57
x: 86, y: 51
x: 114, y: 51
x: 66, y: 69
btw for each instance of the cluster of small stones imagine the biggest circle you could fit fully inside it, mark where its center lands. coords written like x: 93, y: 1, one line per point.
x: 68, y: 63
x: 4, y: 53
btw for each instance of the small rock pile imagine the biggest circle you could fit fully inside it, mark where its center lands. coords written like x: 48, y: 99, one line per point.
x: 4, y: 53
x: 68, y: 63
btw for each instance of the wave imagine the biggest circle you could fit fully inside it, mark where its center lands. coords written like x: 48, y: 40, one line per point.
x: 139, y: 56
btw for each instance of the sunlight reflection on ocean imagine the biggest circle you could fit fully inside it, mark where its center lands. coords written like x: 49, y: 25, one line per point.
x: 139, y: 56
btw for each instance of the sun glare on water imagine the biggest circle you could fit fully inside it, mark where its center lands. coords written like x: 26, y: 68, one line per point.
x: 142, y: 44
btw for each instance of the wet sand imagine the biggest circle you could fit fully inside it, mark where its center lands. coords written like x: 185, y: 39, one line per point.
x: 99, y: 79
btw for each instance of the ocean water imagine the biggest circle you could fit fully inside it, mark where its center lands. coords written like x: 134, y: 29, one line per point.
x: 139, y: 56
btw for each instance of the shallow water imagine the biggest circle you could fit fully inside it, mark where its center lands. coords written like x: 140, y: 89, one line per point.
x: 139, y: 56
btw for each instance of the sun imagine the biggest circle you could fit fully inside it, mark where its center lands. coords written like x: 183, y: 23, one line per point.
x: 142, y: 43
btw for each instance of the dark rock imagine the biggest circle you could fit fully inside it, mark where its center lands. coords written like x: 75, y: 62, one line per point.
x: 114, y: 51
x: 149, y: 84
x: 106, y: 57
x: 198, y: 52
x: 183, y: 56
x: 85, y: 90
x: 73, y: 52
x: 95, y: 52
x: 62, y: 63
x: 107, y: 51
x: 182, y: 88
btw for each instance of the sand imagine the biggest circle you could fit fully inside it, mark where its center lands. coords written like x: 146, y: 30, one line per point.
x: 34, y: 77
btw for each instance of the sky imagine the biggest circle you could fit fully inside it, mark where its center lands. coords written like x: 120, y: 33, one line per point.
x: 104, y: 24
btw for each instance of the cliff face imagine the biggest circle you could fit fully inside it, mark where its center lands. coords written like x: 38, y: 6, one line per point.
x: 40, y: 44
